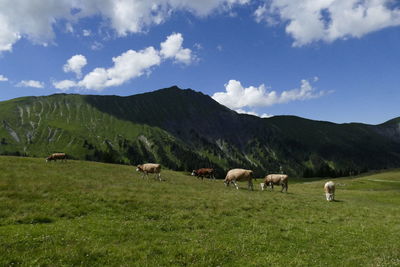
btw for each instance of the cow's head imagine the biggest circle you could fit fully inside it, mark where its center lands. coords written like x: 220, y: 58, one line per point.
x: 194, y: 173
x: 139, y: 168
x: 330, y: 196
x: 262, y: 185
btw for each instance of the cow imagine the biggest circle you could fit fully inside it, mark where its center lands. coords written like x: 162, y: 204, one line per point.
x: 147, y: 168
x: 329, y: 189
x: 57, y: 156
x: 235, y: 175
x: 275, y: 179
x: 204, y: 172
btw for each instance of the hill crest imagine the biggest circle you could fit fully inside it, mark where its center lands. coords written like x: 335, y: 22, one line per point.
x: 184, y: 129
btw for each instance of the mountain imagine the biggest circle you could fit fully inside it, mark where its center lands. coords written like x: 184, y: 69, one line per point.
x: 185, y: 129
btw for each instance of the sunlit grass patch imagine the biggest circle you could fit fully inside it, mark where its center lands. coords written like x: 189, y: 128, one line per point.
x: 86, y: 213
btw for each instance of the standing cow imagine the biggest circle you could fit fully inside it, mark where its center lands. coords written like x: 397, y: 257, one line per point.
x: 147, y: 168
x: 57, y: 156
x: 239, y: 175
x: 329, y: 189
x: 275, y: 179
x: 204, y: 172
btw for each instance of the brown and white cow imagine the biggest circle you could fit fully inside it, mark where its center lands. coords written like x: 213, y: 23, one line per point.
x: 235, y: 175
x: 147, y: 168
x: 56, y: 156
x: 329, y: 189
x: 275, y: 179
x: 204, y: 172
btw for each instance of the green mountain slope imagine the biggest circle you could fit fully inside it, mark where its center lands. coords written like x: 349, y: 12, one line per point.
x: 184, y: 129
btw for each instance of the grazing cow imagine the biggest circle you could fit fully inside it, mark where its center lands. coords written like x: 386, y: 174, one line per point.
x: 204, y: 172
x: 275, y: 179
x: 239, y: 175
x: 149, y: 168
x: 56, y: 156
x: 329, y: 189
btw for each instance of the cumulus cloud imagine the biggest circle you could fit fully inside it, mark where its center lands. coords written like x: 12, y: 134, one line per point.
x: 75, y: 64
x: 129, y: 65
x: 237, y: 97
x: 172, y: 48
x: 30, y: 83
x: 123, y: 16
x: 328, y: 20
x: 64, y: 85
x: 3, y: 78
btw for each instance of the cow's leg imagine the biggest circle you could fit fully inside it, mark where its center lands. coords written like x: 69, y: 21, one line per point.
x: 159, y: 177
x: 262, y: 186
x: 234, y: 182
x: 250, y: 185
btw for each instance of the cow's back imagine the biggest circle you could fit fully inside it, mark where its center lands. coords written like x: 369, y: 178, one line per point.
x: 204, y: 171
x: 329, y: 187
x: 239, y: 174
x: 151, y: 167
x: 276, y: 178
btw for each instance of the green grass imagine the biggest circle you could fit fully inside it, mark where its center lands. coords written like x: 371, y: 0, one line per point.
x: 85, y: 213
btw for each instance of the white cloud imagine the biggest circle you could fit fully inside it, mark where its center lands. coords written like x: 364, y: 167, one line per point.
x: 30, y: 83
x: 306, y: 21
x: 3, y: 78
x: 75, y: 64
x: 328, y: 20
x: 264, y: 115
x: 172, y: 48
x: 128, y: 65
x: 86, y: 33
x: 237, y: 97
x: 123, y: 16
x: 64, y: 85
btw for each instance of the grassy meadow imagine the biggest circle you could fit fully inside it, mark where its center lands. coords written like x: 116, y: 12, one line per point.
x: 90, y: 214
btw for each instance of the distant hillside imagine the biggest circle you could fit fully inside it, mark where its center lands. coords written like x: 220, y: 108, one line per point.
x: 184, y: 129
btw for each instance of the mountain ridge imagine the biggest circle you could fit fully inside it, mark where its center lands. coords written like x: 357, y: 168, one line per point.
x: 184, y: 129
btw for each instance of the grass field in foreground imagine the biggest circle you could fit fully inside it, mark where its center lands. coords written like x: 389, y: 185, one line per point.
x: 85, y: 213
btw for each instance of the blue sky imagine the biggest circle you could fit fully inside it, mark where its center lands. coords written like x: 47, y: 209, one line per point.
x: 334, y: 60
